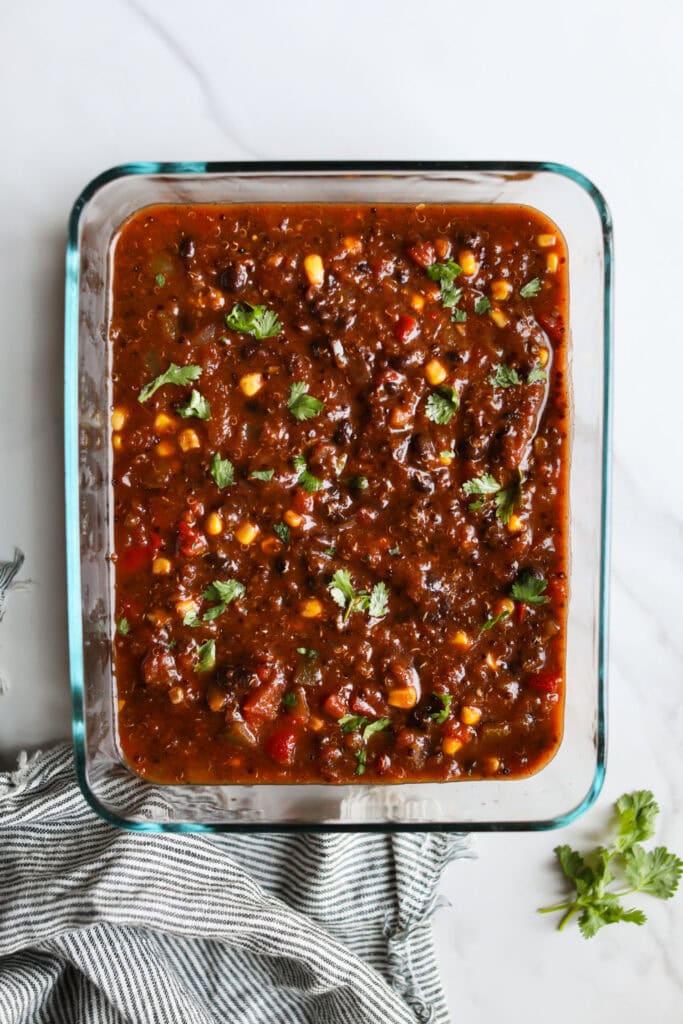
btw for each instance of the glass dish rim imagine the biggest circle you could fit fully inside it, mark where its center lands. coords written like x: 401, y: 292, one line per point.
x: 72, y: 487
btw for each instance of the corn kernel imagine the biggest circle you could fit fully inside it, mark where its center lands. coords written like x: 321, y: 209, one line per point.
x: 542, y: 356
x: 315, y: 271
x: 451, y: 745
x: 492, y: 661
x: 165, y: 449
x: 163, y: 423
x: 446, y: 458
x: 251, y: 384
x: 189, y: 440
x: 116, y: 442
x: 270, y: 546
x: 515, y: 524
x: 293, y: 518
x: 122, y: 705
x: 435, y: 372
x: 176, y: 694
x: 118, y: 418
x: 161, y: 566
x: 352, y: 243
x: 315, y: 723
x: 491, y: 765
x: 311, y: 608
x: 500, y: 290
x: 186, y: 606
x: 247, y: 533
x: 468, y: 262
x: 417, y: 302
x: 499, y: 318
x: 402, y: 697
x: 213, y: 524
x: 469, y: 715
x: 461, y: 639
x: 433, y: 293
x: 507, y: 605
x: 552, y: 262
x: 546, y: 241
x: 158, y: 617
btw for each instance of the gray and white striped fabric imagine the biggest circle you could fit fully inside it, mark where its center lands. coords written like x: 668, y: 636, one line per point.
x: 99, y: 926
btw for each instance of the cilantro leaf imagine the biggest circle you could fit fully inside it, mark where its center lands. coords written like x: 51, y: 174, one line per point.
x: 483, y: 484
x: 160, y: 280
x: 482, y: 305
x: 123, y: 627
x: 197, y: 406
x: 223, y: 471
x: 258, y: 321
x: 307, y: 652
x: 350, y: 723
x: 441, y: 716
x: 459, y: 316
x: 574, y: 867
x: 306, y: 480
x: 656, y: 872
x: 442, y: 404
x: 604, y: 912
x: 225, y: 592
x: 359, y: 483
x: 537, y: 375
x: 289, y: 699
x: 636, y: 813
x: 450, y: 295
x: 361, y: 761
x: 444, y: 271
x: 506, y: 501
x: 394, y: 551
x: 207, y: 657
x: 282, y: 531
x: 191, y: 619
x: 341, y: 588
x: 531, y: 288
x: 379, y: 601
x: 262, y: 474
x: 490, y: 623
x: 377, y: 726
x: 180, y: 375
x: 301, y: 405
x: 529, y: 589
x: 504, y: 377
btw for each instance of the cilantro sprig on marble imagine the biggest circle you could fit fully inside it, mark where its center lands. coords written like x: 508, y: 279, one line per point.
x: 624, y: 862
x: 343, y: 593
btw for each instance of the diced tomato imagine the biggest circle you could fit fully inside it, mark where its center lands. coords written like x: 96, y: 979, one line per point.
x: 263, y: 703
x: 406, y: 327
x: 520, y: 612
x: 336, y: 704
x: 422, y: 253
x: 281, y: 744
x: 545, y: 682
x: 191, y: 541
x: 136, y: 557
x: 303, y: 502
x: 552, y: 324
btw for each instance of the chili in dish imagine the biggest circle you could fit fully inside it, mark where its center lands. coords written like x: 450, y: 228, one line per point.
x: 340, y: 488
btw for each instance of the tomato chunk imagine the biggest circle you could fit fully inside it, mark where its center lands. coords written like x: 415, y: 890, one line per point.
x: 406, y: 328
x: 545, y: 682
x: 191, y: 541
x: 281, y: 745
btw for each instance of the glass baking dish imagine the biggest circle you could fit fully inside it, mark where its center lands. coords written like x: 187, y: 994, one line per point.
x: 566, y: 786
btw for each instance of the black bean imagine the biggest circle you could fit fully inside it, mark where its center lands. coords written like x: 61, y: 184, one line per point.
x: 343, y: 433
x: 186, y: 248
x: 234, y: 277
x: 402, y: 275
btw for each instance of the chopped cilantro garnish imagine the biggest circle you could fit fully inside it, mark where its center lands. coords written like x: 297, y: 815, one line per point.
x: 197, y: 406
x: 361, y: 761
x: 445, y: 274
x: 224, y: 594
x: 442, y: 404
x: 529, y: 588
x: 123, y: 627
x: 262, y: 474
x: 307, y: 652
x: 223, y: 471
x: 531, y: 288
x: 258, y: 321
x: 344, y: 594
x: 507, y: 500
x: 207, y: 657
x: 393, y: 551
x: 180, y: 375
x: 484, y: 484
x: 282, y: 531
x: 494, y: 620
x: 537, y: 375
x: 504, y: 377
x: 440, y: 716
x: 482, y: 305
x: 459, y: 316
x: 306, y: 480
x: 301, y: 405
x: 160, y: 280
x: 289, y: 699
x: 359, y: 483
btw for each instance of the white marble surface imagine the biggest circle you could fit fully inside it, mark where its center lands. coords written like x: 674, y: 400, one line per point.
x: 598, y: 85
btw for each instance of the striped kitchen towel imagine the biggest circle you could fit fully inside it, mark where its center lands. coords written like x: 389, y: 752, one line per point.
x: 103, y: 926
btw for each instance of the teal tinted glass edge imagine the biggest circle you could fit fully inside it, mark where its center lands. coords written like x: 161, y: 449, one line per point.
x: 71, y: 415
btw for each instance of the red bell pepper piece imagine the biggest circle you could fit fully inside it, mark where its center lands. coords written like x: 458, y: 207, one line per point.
x: 406, y: 327
x: 281, y: 745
